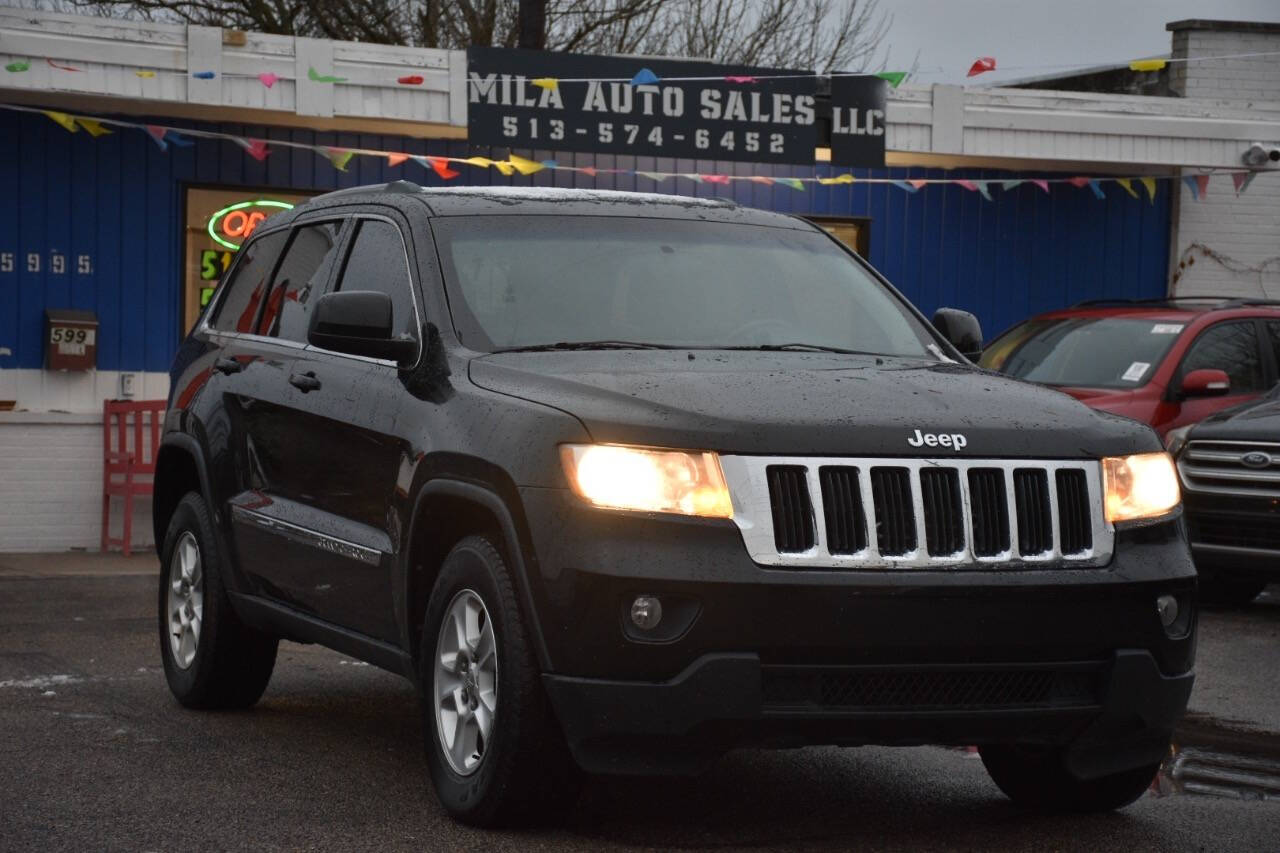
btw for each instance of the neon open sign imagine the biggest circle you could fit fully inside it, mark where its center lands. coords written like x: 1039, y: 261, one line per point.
x: 232, y: 225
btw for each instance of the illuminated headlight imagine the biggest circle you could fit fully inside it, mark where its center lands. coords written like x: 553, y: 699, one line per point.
x: 647, y: 479
x: 1144, y: 485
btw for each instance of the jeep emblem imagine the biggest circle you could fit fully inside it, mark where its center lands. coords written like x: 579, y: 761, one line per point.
x: 952, y: 440
x: 1256, y: 459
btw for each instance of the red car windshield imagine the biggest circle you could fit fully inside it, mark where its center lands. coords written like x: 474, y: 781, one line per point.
x: 1087, y: 352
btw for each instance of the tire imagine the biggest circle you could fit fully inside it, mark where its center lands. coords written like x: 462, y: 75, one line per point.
x: 217, y: 662
x: 1233, y: 593
x: 1035, y: 778
x: 520, y: 770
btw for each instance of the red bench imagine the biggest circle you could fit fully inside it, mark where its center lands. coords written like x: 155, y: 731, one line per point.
x: 130, y: 440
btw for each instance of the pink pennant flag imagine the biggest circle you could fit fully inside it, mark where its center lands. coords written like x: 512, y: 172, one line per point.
x: 60, y: 66
x: 969, y: 185
x: 268, y: 79
x: 917, y: 183
x: 396, y: 159
x: 1041, y: 183
x: 256, y: 148
x: 156, y: 132
x: 440, y: 166
x: 588, y: 170
x: 730, y: 78
x: 762, y: 179
x: 1078, y: 182
x: 982, y: 65
x: 716, y: 179
x: 1242, y: 180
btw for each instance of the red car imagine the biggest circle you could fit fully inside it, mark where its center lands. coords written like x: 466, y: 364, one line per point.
x: 1168, y: 362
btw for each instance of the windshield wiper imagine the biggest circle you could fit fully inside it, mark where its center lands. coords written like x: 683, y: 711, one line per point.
x: 802, y: 348
x: 587, y: 345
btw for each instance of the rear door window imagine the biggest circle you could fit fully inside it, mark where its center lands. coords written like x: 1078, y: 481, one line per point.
x: 378, y: 261
x: 1232, y: 347
x: 300, y: 279
x: 247, y: 287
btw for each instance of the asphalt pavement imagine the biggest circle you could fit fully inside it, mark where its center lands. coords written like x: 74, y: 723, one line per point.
x: 95, y: 754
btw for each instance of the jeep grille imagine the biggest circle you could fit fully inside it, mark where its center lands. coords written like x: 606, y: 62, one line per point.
x: 918, y: 513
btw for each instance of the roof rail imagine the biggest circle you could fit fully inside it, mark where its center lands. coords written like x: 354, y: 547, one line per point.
x: 392, y: 187
x: 1172, y: 301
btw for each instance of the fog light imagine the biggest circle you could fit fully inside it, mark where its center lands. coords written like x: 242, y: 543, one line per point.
x: 646, y: 612
x: 1166, y: 606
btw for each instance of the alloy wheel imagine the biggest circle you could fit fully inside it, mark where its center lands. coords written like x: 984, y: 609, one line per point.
x: 186, y: 600
x: 466, y: 682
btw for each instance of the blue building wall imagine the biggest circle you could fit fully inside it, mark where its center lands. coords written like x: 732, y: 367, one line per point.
x: 118, y: 199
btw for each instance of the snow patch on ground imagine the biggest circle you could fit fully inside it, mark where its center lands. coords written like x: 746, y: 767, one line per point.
x: 42, y: 682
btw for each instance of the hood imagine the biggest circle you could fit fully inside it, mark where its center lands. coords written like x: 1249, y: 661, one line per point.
x: 1258, y: 420
x: 799, y: 403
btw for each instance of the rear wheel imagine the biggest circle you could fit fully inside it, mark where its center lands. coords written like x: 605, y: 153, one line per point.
x: 1235, y: 593
x: 211, y: 659
x: 1036, y: 777
x: 495, y: 751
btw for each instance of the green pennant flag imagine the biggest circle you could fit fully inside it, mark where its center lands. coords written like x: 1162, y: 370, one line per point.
x: 317, y: 77
x: 794, y: 183
x: 18, y: 66
x: 895, y: 78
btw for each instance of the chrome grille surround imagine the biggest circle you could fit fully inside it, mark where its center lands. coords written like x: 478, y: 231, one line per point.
x: 746, y: 477
x: 1217, y: 467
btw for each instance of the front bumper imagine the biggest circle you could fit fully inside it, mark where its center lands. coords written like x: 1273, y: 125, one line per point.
x: 1112, y: 715
x: 710, y: 676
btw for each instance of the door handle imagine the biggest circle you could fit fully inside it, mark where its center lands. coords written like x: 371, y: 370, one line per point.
x: 305, y: 382
x: 227, y: 365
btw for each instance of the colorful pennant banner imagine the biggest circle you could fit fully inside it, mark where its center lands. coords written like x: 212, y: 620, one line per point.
x: 443, y: 167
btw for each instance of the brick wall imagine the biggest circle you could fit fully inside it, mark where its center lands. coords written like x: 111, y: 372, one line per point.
x: 1242, y: 233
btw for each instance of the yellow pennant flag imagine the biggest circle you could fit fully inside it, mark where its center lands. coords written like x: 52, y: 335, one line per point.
x: 145, y: 74
x: 1127, y: 183
x: 545, y: 82
x: 525, y: 167
x: 479, y: 161
x: 1147, y: 64
x: 94, y: 126
x: 846, y: 178
x: 1150, y: 184
x: 504, y: 167
x: 63, y: 119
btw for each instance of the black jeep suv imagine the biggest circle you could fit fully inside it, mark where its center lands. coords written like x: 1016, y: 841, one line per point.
x: 622, y: 481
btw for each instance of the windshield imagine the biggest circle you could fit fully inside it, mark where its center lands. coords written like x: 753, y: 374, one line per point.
x: 519, y: 282
x: 1089, y: 352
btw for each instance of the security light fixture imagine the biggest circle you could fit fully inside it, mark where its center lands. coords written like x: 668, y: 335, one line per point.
x: 1259, y: 154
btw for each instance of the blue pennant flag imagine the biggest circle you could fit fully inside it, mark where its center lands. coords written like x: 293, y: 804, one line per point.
x: 903, y: 185
x: 644, y: 77
x: 1097, y: 190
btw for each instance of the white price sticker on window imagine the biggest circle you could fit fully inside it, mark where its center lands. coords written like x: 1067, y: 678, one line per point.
x: 1166, y: 328
x: 1136, y: 371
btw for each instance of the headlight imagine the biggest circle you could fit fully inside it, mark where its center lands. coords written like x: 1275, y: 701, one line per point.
x: 649, y: 480
x: 1176, y: 439
x: 1144, y: 485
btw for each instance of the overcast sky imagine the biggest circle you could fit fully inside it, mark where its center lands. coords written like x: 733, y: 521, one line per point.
x: 950, y: 34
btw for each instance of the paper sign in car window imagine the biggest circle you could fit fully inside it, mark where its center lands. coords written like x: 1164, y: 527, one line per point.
x: 1136, y: 371
x: 1166, y: 328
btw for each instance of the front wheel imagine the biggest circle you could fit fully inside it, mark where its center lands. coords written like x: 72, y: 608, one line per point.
x: 496, y: 753
x: 1036, y: 777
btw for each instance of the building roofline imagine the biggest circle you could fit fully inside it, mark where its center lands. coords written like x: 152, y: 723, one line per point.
x: 1271, y: 27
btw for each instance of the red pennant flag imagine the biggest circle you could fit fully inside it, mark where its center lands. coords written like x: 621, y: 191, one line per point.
x: 60, y: 66
x: 969, y: 185
x: 716, y: 179
x: 396, y: 159
x: 1202, y: 181
x: 917, y: 183
x: 1078, y: 182
x: 761, y: 179
x: 256, y: 148
x: 1242, y: 180
x: 411, y: 80
x: 441, y: 167
x: 588, y: 170
x: 982, y: 65
x: 737, y: 79
x: 157, y: 133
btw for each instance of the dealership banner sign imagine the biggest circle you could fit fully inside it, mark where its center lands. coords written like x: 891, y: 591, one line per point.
x: 857, y: 120
x: 608, y: 105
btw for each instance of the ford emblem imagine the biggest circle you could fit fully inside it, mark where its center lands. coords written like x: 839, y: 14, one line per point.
x: 1256, y: 459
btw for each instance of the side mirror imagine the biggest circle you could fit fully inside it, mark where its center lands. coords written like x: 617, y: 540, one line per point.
x: 358, y: 322
x: 962, y: 329
x: 1209, y: 382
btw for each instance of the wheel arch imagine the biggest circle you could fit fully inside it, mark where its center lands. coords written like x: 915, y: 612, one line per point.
x: 180, y: 469
x: 470, y: 508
